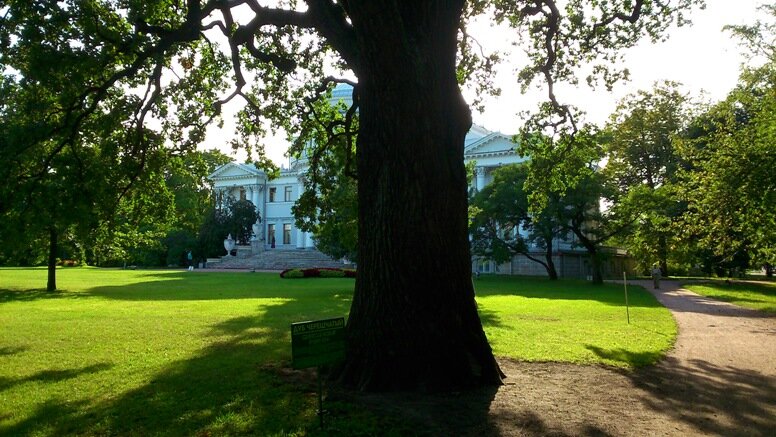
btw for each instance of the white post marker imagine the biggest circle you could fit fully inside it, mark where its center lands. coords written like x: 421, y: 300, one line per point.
x: 625, y: 283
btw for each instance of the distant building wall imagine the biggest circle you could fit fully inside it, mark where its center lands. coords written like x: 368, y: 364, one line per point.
x: 568, y: 264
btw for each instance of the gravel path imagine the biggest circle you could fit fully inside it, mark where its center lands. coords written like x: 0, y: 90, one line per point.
x: 719, y: 333
x: 721, y: 375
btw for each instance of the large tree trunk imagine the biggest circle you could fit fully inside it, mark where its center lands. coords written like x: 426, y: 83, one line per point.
x: 51, y: 284
x: 413, y: 323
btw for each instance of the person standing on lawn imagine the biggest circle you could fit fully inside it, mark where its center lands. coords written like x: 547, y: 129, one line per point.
x: 656, y: 274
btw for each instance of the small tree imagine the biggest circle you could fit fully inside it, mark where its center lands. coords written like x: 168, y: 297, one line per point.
x: 564, y: 177
x: 210, y: 238
x: 643, y: 165
x: 503, y: 226
x: 242, y: 216
x: 328, y: 207
x: 236, y: 218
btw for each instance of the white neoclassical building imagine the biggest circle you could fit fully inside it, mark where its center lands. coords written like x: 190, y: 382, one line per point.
x: 277, y: 237
x: 274, y: 198
x: 293, y: 247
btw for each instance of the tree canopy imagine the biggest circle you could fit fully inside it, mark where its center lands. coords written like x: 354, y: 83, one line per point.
x: 413, y: 322
x: 643, y: 164
x: 729, y: 185
x: 503, y: 225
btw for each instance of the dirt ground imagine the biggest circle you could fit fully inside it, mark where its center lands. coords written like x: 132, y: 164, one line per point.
x: 720, y: 379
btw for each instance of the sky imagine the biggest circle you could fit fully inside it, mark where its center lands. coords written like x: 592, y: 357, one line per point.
x: 702, y: 57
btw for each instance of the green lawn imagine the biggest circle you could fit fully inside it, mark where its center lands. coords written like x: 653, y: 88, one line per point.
x: 537, y: 320
x: 180, y: 353
x: 756, y: 295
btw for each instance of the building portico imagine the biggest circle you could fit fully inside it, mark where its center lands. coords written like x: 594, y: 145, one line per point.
x: 274, y: 198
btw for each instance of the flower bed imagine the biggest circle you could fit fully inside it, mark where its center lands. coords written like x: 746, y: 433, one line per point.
x: 68, y: 263
x: 318, y: 273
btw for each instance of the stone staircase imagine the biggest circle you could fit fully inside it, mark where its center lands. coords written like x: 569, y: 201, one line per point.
x: 277, y: 259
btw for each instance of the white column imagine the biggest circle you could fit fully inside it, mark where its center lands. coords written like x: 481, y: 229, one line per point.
x: 300, y: 238
x: 220, y: 197
x: 479, y: 173
x: 255, y: 197
x: 299, y: 188
x: 309, y: 243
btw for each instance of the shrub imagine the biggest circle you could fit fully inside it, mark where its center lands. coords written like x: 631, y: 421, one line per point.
x: 332, y: 273
x: 291, y: 273
x: 311, y: 273
x: 68, y: 263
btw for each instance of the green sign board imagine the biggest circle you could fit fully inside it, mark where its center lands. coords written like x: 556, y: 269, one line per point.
x: 317, y: 343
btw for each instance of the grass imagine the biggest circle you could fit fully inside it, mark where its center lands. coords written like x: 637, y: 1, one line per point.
x: 177, y: 353
x: 534, y: 319
x: 755, y: 295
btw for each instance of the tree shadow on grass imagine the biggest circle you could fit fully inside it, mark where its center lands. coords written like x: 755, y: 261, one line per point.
x: 53, y: 375
x: 718, y: 307
x: 759, y: 311
x: 490, y: 319
x: 48, y: 412
x: 629, y: 358
x: 12, y: 350
x: 238, y: 384
x: 564, y: 289
x: 29, y: 295
x: 718, y: 400
x: 161, y: 286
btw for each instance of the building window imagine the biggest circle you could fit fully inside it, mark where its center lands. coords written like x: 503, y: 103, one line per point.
x: 272, y: 191
x: 271, y: 234
x: 287, y: 194
x: 286, y: 233
x: 242, y: 193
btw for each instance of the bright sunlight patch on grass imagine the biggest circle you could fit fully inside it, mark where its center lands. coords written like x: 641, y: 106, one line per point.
x: 537, y: 320
x: 749, y: 294
x: 177, y: 353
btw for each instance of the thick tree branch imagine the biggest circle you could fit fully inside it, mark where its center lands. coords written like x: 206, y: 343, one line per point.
x: 330, y: 20
x: 632, y: 18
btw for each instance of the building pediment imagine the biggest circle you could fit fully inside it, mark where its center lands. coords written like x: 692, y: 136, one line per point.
x: 492, y: 144
x: 475, y: 133
x: 234, y: 170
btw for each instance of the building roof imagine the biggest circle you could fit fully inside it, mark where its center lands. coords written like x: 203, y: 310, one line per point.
x: 235, y: 170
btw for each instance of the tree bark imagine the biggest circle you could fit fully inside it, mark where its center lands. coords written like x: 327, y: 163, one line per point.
x: 592, y: 250
x: 595, y: 260
x: 551, y: 272
x: 51, y: 284
x: 413, y: 323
